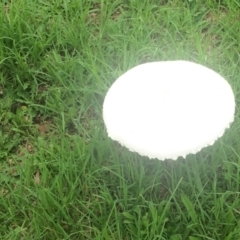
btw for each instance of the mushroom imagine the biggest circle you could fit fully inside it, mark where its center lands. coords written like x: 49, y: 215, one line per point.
x: 168, y: 109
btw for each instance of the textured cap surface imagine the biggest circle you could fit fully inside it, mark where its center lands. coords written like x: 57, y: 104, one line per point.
x: 168, y: 109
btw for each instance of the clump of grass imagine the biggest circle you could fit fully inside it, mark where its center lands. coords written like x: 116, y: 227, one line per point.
x: 61, y: 177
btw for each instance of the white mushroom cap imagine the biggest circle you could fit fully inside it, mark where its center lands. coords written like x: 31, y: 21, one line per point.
x: 168, y: 109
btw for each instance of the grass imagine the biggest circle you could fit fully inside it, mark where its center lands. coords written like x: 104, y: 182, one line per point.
x: 61, y: 176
